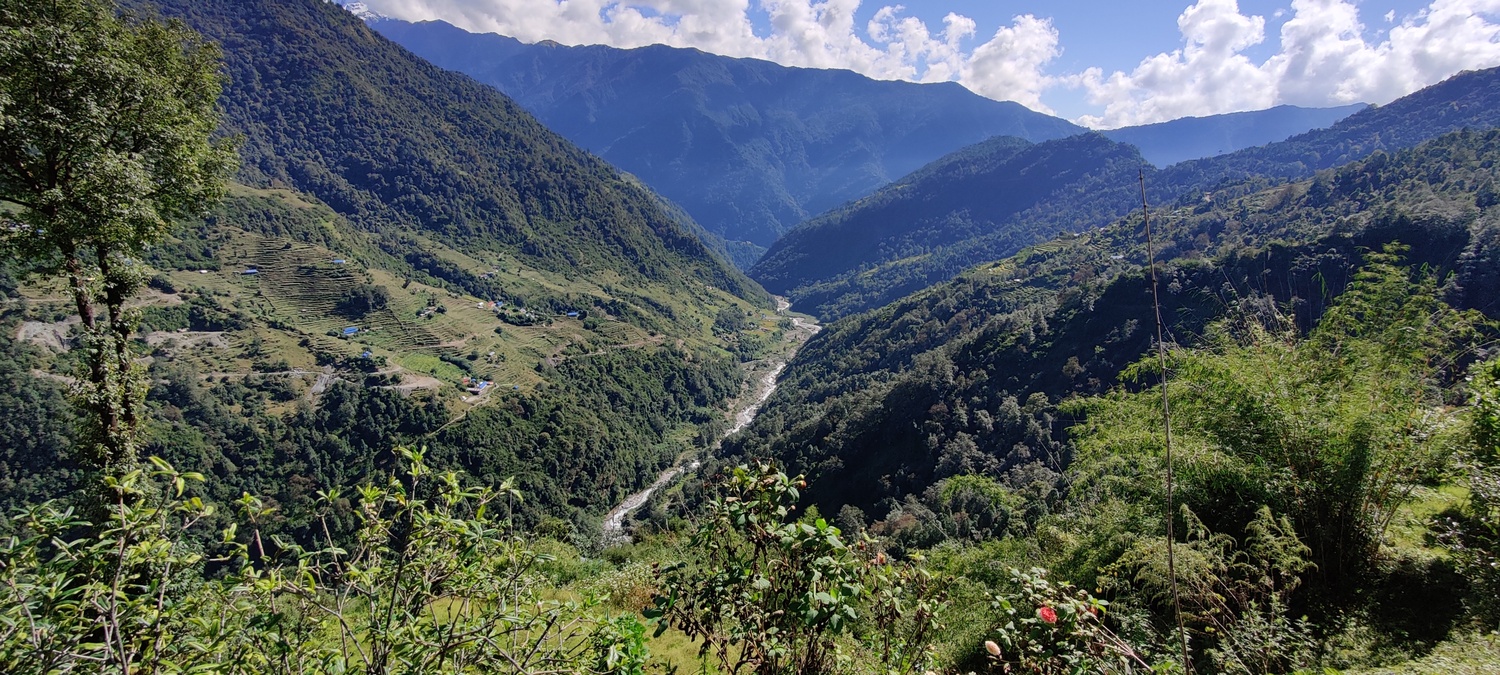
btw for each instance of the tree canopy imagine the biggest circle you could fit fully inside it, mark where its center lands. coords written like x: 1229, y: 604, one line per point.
x: 106, y: 135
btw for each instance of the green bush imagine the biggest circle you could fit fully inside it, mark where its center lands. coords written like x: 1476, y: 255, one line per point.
x: 363, y: 299
x: 773, y: 594
x: 1046, y: 628
x: 1473, y: 536
x: 433, y: 583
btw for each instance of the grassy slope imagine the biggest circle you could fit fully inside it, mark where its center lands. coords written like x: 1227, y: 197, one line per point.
x: 298, y: 286
x: 285, y: 328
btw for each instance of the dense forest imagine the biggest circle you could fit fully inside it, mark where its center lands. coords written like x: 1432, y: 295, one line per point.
x: 329, y: 107
x: 971, y: 371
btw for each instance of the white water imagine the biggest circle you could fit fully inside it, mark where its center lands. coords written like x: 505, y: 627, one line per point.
x: 613, y: 530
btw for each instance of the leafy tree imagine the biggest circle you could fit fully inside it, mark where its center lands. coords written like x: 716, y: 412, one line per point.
x: 105, y: 137
x: 363, y: 299
x: 768, y: 594
x: 116, y: 601
x: 730, y: 319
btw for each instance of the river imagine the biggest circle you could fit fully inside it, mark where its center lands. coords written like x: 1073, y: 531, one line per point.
x: 613, y: 530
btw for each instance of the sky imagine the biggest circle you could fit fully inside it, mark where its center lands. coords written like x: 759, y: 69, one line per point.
x: 1100, y: 63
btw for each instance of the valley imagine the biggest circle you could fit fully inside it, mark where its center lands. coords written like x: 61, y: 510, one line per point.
x: 763, y: 377
x: 332, y: 342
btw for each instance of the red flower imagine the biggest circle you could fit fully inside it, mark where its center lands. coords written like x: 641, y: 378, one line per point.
x: 1047, y: 614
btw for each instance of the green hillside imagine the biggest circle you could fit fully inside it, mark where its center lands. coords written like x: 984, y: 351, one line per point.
x: 399, y: 235
x: 926, y: 229
x: 397, y: 145
x: 972, y: 206
x: 261, y: 388
x: 976, y: 366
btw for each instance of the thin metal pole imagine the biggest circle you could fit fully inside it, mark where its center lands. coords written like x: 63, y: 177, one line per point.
x: 1166, y: 411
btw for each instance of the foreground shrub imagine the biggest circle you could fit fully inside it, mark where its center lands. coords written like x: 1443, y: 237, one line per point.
x: 771, y: 594
x: 434, y: 583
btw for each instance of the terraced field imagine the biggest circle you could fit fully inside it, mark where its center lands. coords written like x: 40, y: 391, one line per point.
x: 304, y: 285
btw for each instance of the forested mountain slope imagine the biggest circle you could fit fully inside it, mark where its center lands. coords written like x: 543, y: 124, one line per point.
x: 748, y: 147
x: 304, y: 375
x: 329, y: 107
x: 360, y: 418
x: 965, y: 377
x: 1188, y: 138
x: 409, y: 258
x: 986, y: 200
x: 920, y: 209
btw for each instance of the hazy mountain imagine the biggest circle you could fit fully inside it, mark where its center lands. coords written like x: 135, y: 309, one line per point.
x: 927, y: 227
x: 1198, y: 137
x: 985, y: 201
x: 749, y: 148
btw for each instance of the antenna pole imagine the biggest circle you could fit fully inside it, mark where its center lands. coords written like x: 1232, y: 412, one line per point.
x: 1166, y: 411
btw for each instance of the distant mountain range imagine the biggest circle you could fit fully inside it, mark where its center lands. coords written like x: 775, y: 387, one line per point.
x: 749, y: 148
x: 972, y: 206
x: 1198, y: 137
x: 988, y: 201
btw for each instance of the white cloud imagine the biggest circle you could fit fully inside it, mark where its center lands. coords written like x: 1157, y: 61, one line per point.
x: 1010, y: 66
x: 809, y: 33
x: 1323, y: 55
x: 1324, y: 59
x: 1208, y: 74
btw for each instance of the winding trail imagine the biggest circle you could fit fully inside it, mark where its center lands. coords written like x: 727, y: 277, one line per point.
x: 613, y: 529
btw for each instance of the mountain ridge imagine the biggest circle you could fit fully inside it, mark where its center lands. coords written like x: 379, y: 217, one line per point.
x: 879, y: 397
x: 1188, y: 138
x: 746, y: 146
x: 791, y: 267
x: 477, y: 171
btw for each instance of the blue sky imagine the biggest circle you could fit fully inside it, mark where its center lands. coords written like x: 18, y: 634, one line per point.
x: 1100, y: 63
x: 1117, y: 35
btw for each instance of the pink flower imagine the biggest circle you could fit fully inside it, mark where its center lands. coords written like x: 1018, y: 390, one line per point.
x: 991, y: 647
x: 1047, y: 614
